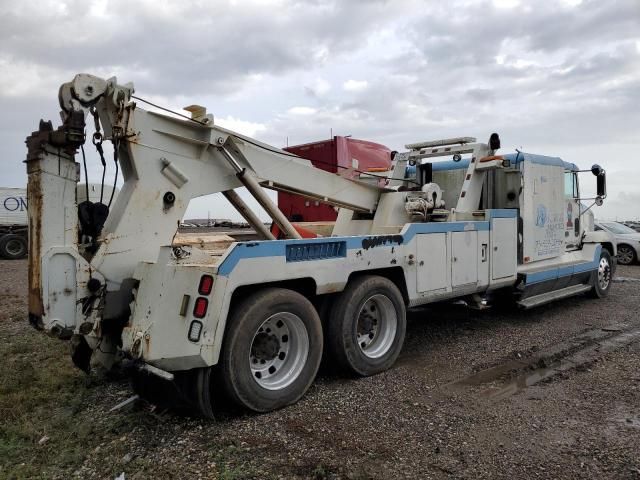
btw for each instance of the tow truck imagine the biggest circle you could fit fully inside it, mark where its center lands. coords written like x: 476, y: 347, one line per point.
x: 451, y: 220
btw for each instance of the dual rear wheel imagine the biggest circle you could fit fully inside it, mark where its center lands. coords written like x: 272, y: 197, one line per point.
x: 272, y: 350
x: 274, y: 340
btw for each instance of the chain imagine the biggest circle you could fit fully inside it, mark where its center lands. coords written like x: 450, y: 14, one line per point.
x: 97, y: 142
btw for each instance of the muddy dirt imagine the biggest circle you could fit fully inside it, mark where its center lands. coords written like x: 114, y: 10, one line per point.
x: 552, y: 392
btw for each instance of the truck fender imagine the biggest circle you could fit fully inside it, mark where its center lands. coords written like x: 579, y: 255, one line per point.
x: 604, y: 238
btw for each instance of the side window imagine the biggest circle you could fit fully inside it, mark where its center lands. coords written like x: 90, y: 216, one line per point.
x: 570, y: 185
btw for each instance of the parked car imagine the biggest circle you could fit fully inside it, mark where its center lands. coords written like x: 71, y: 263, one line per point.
x: 634, y: 225
x: 627, y: 239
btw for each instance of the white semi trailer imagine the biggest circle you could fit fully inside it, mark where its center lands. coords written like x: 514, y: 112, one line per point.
x: 13, y: 223
x: 14, y: 220
x: 255, y: 316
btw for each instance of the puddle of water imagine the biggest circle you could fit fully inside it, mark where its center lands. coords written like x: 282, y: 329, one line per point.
x: 542, y: 359
x: 630, y: 422
x: 580, y: 358
x: 626, y: 279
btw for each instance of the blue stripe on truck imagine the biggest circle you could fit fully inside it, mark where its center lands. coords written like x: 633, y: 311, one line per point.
x: 558, y: 272
x: 278, y: 248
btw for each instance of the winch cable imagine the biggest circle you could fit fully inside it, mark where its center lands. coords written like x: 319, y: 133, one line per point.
x: 281, y: 152
x: 97, y: 141
x: 116, y: 145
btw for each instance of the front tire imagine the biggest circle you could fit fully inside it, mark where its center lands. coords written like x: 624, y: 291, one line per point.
x: 626, y: 255
x: 367, y: 325
x: 272, y: 350
x: 603, y: 276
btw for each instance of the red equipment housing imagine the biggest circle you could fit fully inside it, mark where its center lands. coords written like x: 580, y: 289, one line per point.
x: 344, y: 156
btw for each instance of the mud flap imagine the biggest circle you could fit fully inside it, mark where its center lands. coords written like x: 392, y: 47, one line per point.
x: 81, y: 353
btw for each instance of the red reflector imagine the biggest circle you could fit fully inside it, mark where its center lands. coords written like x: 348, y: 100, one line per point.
x: 206, y: 285
x: 200, y: 308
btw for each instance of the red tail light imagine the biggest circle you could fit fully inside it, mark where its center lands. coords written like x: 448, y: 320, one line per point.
x: 206, y: 285
x: 200, y: 308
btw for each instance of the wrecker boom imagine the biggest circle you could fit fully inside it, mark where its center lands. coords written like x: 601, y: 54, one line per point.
x: 165, y: 162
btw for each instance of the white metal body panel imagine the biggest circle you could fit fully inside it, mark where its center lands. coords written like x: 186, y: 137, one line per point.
x: 464, y: 258
x: 433, y: 260
x: 504, y: 249
x: 13, y: 206
x: 391, y: 215
x: 158, y: 332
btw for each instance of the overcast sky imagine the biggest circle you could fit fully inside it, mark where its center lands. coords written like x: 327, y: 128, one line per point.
x: 556, y: 77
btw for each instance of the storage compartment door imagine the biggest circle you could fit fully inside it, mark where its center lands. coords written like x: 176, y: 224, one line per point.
x: 432, y: 262
x: 464, y: 258
x: 504, y: 251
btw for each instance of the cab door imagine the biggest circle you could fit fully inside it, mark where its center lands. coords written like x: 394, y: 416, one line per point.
x: 573, y: 227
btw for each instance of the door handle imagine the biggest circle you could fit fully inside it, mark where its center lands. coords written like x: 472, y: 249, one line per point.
x: 484, y: 252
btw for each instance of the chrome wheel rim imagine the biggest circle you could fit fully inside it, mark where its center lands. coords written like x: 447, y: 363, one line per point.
x: 604, y: 274
x: 625, y: 255
x: 14, y: 247
x: 377, y: 326
x: 279, y: 351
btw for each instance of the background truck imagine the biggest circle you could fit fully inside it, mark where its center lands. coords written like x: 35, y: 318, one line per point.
x: 251, y: 319
x: 344, y: 156
x: 14, y: 219
x: 13, y: 223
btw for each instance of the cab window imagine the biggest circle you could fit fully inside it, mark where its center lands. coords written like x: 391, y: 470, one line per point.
x: 570, y: 185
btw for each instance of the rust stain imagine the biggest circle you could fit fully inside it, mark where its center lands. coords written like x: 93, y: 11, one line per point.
x: 34, y: 200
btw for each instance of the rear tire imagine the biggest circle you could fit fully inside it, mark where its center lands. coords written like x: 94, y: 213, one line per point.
x: 13, y: 247
x: 272, y: 350
x: 367, y: 325
x: 603, y: 276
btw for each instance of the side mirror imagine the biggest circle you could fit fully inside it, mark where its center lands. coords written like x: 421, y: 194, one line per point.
x: 601, y: 180
x: 494, y: 141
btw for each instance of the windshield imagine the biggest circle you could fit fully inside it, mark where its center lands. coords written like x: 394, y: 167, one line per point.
x: 618, y: 228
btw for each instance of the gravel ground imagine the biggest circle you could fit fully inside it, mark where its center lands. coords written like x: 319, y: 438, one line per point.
x: 428, y: 417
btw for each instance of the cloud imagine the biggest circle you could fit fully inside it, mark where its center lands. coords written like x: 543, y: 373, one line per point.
x: 563, y: 79
x: 506, y: 3
x: 355, y: 85
x: 301, y: 111
x: 185, y: 46
x: 244, y: 127
x: 318, y: 88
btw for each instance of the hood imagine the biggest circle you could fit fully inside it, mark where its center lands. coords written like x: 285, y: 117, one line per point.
x: 629, y: 236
